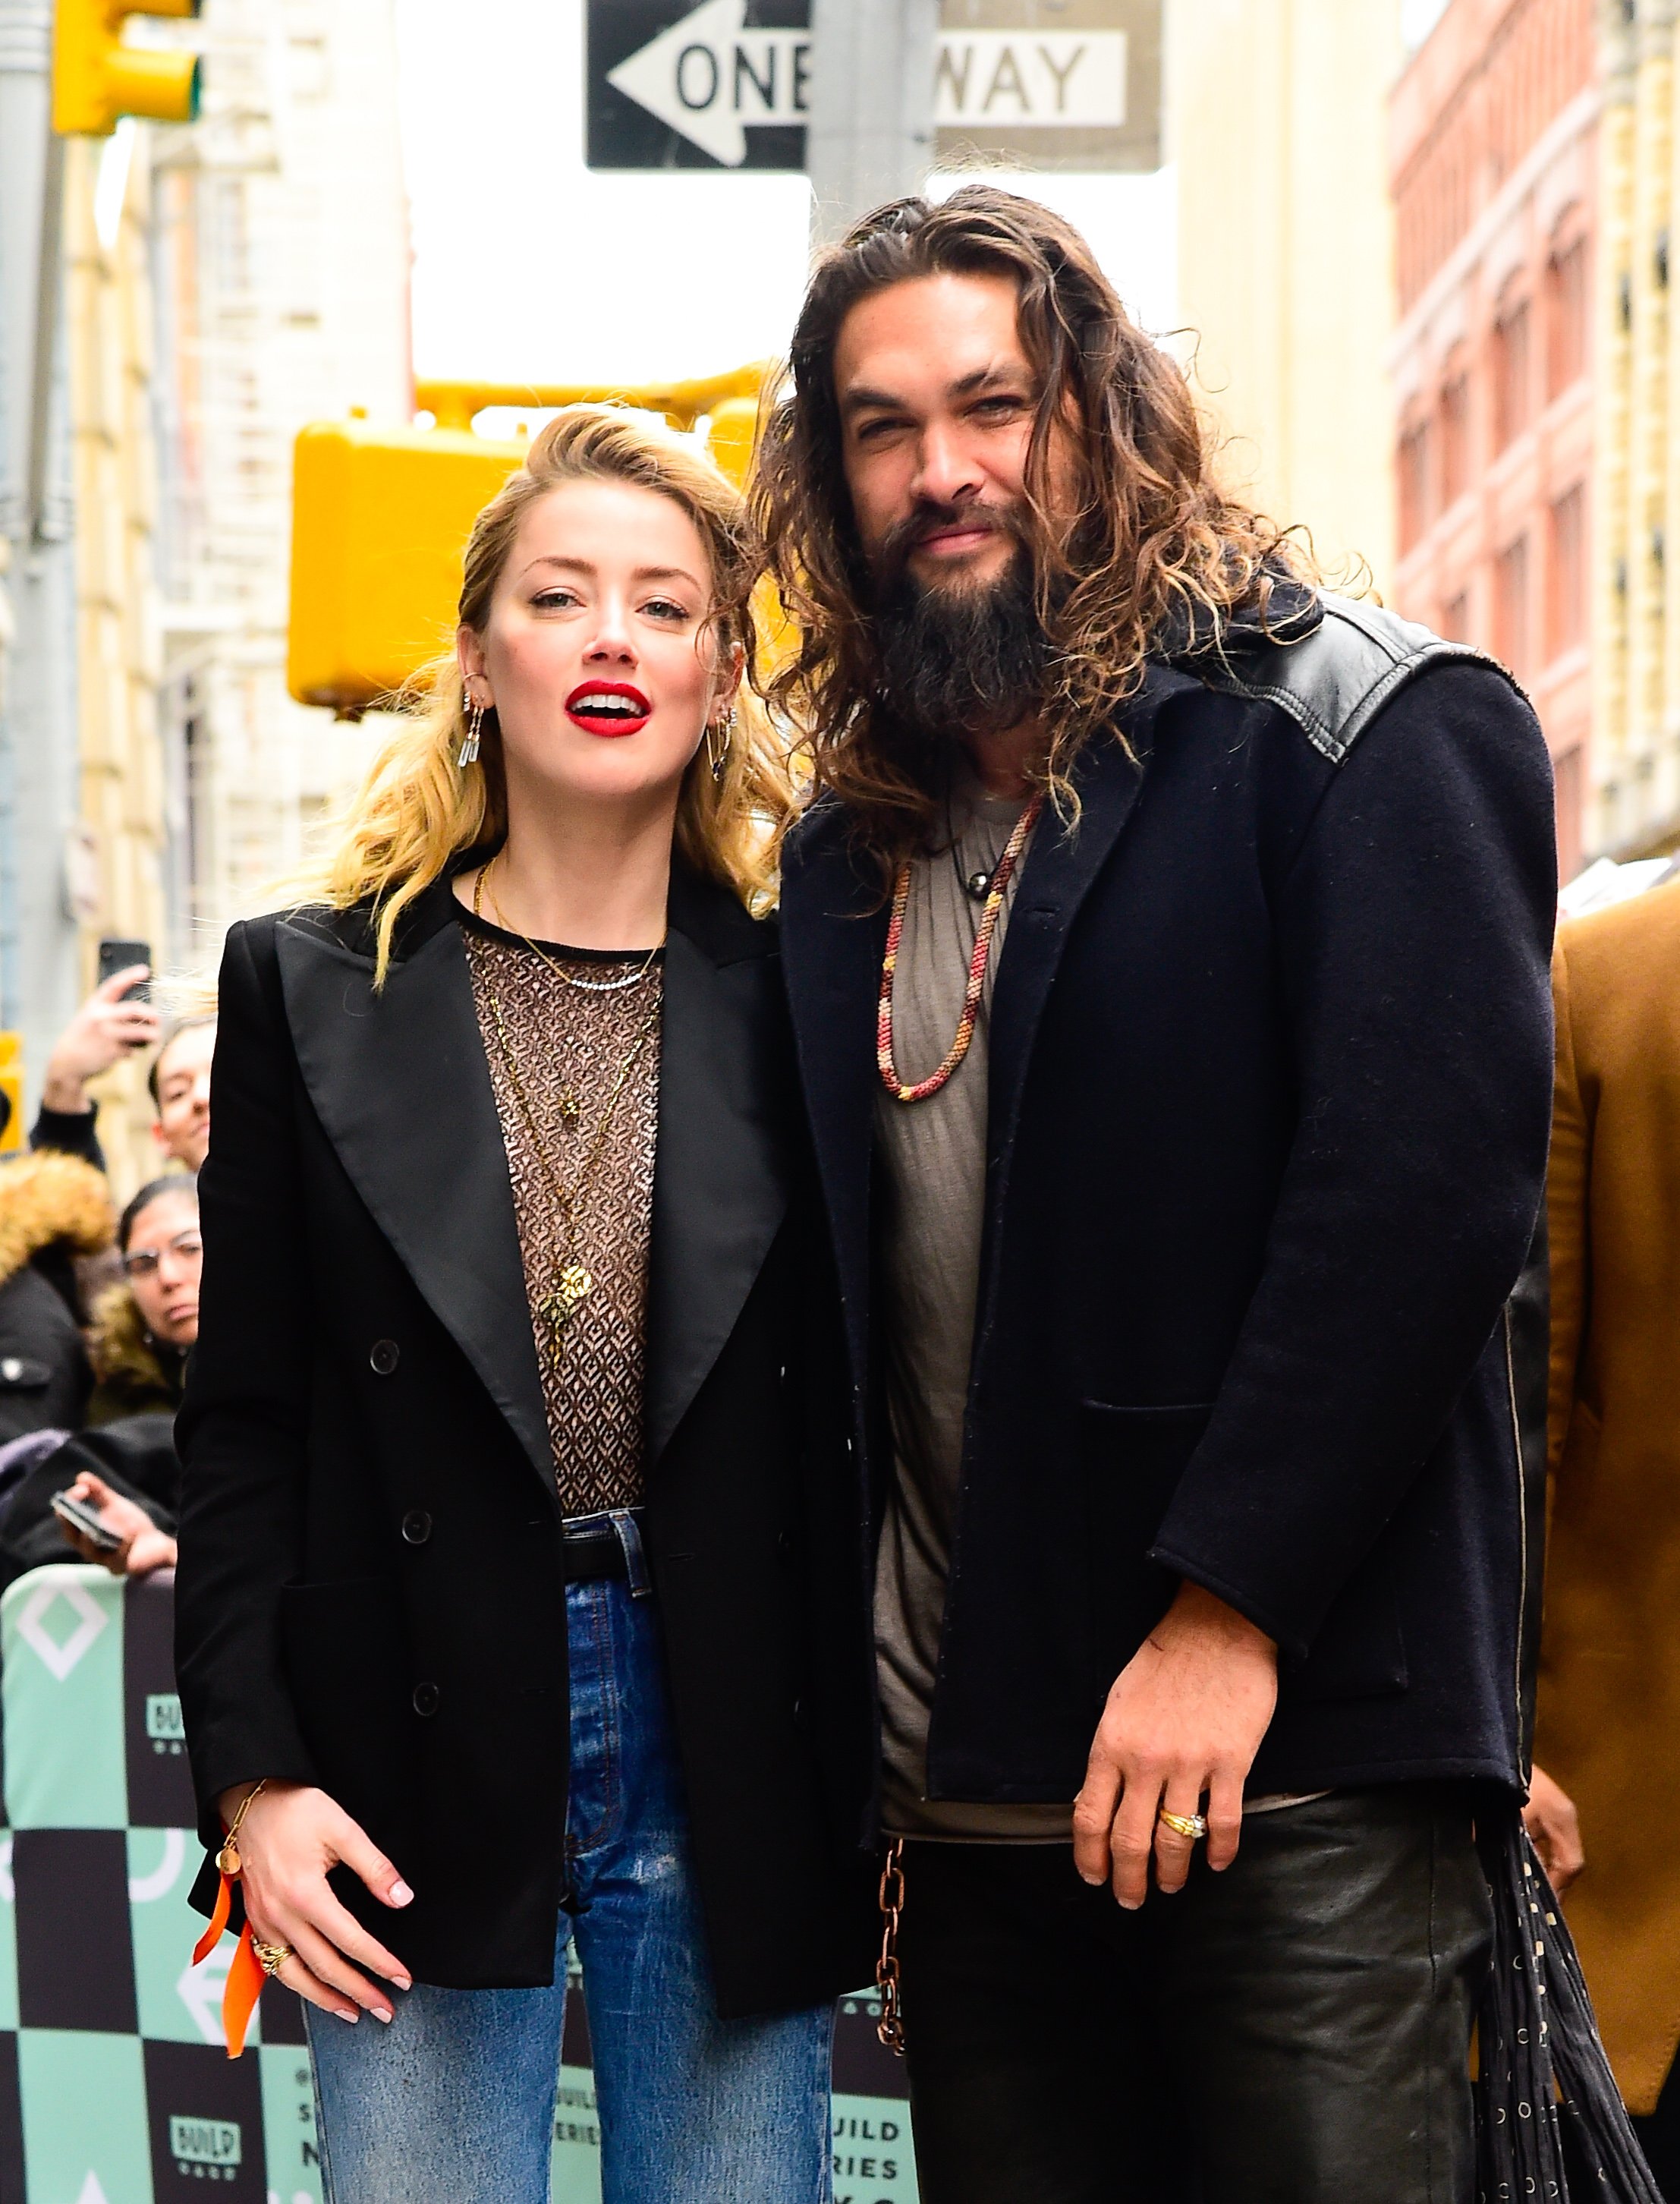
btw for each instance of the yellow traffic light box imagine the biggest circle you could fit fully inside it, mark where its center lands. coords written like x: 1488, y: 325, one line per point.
x: 97, y: 79
x: 381, y: 517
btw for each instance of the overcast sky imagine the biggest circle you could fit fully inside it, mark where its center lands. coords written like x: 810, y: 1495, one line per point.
x: 530, y: 268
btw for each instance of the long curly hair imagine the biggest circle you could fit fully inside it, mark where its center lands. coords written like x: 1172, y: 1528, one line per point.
x: 417, y: 809
x: 1150, y: 549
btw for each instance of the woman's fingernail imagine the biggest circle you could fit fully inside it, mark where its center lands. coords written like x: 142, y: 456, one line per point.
x: 404, y: 1981
x: 348, y: 2012
x: 401, y: 1894
x: 1093, y: 1879
x: 381, y: 2012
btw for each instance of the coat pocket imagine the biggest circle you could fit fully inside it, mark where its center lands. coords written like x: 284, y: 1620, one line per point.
x: 1133, y: 1458
x: 344, y: 1649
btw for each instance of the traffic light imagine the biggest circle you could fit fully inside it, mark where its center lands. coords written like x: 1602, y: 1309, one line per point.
x: 96, y: 77
x: 381, y: 517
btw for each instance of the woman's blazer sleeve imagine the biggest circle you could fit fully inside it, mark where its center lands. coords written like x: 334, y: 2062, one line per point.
x: 241, y: 1430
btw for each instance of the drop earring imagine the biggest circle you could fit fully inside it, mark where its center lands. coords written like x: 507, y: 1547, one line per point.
x: 468, y: 754
x: 719, y: 733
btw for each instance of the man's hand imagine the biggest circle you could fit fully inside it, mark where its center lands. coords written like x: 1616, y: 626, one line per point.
x: 1554, y: 1829
x: 104, y: 1029
x: 1183, y: 1719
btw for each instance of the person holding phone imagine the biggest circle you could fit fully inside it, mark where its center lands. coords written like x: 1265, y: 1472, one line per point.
x: 512, y: 1611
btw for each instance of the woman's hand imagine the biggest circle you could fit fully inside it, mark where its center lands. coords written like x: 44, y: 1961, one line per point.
x: 1554, y: 1829
x: 143, y: 1546
x: 290, y: 1838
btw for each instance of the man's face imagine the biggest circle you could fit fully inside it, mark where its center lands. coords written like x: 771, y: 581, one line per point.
x: 182, y: 1129
x: 936, y: 399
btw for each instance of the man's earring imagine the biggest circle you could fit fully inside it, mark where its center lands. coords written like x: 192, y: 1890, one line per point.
x: 468, y: 751
x: 719, y: 736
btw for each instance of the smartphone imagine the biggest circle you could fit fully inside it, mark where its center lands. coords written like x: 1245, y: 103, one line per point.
x: 117, y: 956
x: 81, y: 1518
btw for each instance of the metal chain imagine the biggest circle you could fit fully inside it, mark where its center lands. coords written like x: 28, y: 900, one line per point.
x: 891, y: 2025
x: 583, y: 987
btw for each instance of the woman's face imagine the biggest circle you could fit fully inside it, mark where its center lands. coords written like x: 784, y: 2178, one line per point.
x: 594, y: 655
x: 163, y: 1260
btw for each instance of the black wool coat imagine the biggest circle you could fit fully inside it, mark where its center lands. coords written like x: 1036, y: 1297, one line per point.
x: 1270, y: 1081
x: 369, y: 1594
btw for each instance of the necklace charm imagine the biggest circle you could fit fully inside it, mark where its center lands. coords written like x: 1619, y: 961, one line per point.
x: 570, y: 1292
x: 569, y: 1110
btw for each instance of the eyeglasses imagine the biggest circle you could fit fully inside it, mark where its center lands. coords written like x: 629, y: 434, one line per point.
x: 142, y: 1262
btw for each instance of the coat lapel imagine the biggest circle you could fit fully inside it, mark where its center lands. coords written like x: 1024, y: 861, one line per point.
x: 834, y: 928
x: 721, y: 1176
x: 400, y: 1084
x: 1061, y: 866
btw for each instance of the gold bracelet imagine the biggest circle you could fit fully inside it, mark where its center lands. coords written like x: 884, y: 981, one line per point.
x: 228, y: 1859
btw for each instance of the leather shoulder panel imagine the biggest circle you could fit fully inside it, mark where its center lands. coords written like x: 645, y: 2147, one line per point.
x: 1333, y: 682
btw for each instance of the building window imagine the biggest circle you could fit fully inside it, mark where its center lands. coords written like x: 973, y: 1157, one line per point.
x: 1510, y: 606
x: 1455, y: 429
x: 1413, y: 464
x: 1566, y: 620
x: 1511, y: 373
x: 1455, y: 618
x: 1567, y: 312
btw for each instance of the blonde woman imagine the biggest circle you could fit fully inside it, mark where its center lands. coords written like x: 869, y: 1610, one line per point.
x: 510, y: 1611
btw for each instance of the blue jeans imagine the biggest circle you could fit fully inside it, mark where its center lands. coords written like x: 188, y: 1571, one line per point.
x: 453, y: 2103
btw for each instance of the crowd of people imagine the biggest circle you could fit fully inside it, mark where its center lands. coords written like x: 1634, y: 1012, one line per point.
x: 968, y: 1298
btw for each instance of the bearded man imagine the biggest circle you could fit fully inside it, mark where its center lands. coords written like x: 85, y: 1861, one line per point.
x: 1167, y: 946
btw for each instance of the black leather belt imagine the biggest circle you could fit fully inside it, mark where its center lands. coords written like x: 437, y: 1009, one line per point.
x: 598, y: 1552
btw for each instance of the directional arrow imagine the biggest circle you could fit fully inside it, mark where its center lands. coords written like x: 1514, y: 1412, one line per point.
x: 709, y: 77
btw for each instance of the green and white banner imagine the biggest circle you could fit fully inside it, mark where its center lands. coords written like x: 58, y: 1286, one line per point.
x: 115, y: 2088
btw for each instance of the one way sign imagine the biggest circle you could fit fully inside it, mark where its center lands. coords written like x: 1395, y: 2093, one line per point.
x: 691, y: 84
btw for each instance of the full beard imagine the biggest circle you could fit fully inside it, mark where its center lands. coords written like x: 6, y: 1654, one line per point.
x: 955, y: 661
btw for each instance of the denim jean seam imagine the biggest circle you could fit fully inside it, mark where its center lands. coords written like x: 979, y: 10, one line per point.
x: 600, y: 1626
x: 323, y: 2154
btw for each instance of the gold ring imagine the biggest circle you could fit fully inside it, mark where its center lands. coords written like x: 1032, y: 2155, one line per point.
x: 271, y: 1958
x: 1193, y: 1825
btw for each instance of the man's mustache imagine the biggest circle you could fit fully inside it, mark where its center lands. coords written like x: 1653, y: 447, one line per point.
x: 928, y: 517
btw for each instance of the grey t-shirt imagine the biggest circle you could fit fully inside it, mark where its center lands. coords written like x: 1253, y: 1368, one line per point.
x: 932, y: 1158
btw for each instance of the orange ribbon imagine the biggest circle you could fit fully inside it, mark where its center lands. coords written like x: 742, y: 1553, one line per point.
x: 245, y: 1974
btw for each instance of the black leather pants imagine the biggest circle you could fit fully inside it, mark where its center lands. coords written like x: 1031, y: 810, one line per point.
x: 1295, y: 2030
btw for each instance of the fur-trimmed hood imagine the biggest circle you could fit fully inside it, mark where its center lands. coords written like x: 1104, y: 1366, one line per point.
x: 131, y: 1367
x: 47, y: 1199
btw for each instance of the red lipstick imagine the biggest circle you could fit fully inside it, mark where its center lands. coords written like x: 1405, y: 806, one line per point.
x: 608, y: 708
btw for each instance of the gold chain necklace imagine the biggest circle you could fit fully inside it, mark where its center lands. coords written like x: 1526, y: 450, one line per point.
x: 574, y: 1281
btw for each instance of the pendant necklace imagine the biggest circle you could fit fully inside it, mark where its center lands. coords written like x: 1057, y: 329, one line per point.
x: 997, y: 889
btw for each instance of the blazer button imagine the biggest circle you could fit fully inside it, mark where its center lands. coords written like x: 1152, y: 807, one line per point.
x: 801, y: 1719
x: 784, y: 1545
x: 426, y: 1698
x: 417, y: 1526
x: 383, y: 1356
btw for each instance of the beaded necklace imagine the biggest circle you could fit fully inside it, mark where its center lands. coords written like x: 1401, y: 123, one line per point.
x: 977, y: 967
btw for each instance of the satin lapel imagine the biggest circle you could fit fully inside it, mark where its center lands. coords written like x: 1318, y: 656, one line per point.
x: 720, y: 1173
x: 833, y: 937
x: 400, y: 1082
x: 1061, y: 866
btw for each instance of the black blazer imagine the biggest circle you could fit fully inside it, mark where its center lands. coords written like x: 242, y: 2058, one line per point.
x: 1270, y: 1083
x: 370, y: 1594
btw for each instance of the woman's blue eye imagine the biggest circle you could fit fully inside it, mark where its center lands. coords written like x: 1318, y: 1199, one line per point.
x: 549, y: 598
x: 665, y: 608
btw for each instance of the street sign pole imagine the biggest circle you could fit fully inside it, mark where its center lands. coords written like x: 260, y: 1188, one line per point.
x: 870, y: 135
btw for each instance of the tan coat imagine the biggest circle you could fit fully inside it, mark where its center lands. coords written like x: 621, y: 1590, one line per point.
x: 1609, y: 1705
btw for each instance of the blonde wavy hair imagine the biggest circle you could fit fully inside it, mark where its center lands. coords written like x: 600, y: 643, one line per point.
x: 417, y: 809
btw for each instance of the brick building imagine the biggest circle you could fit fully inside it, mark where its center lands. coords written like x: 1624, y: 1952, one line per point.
x: 1492, y: 165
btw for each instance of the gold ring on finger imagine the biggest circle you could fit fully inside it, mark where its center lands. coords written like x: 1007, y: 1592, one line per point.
x: 271, y: 1958
x: 1193, y: 1825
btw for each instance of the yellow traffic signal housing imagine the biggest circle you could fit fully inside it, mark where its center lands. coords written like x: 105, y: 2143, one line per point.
x: 380, y: 519
x: 12, y: 1142
x: 96, y: 77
